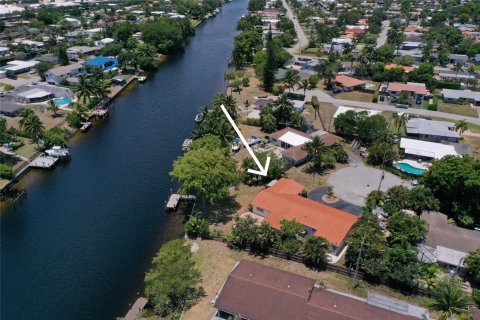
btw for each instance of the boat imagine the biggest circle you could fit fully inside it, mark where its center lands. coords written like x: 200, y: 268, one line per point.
x: 253, y: 140
x: 235, y: 145
x: 85, y: 126
x: 57, y: 152
x: 142, y: 79
x: 185, y: 144
x: 199, y: 117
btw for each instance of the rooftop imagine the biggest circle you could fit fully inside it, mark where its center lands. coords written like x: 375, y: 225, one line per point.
x: 349, y: 81
x: 430, y: 127
x: 60, y: 71
x: 418, y: 88
x: 461, y: 94
x: 430, y: 149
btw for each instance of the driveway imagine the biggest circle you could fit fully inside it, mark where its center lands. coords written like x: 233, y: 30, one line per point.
x: 317, y: 194
x: 20, y: 81
x: 354, y: 183
x: 382, y: 38
x: 302, y: 38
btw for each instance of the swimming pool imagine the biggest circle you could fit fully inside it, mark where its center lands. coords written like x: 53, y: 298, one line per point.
x: 63, y: 101
x: 405, y: 167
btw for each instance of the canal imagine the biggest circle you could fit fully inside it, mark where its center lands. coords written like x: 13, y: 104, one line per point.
x: 78, y: 246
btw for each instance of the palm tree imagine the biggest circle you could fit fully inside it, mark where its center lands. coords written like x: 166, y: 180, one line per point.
x: 457, y: 68
x: 450, y: 299
x: 85, y: 89
x: 228, y: 102
x: 34, y: 127
x: 315, y: 150
x: 291, y: 78
x: 53, y: 106
x: 461, y: 126
x: 145, y: 50
x: 400, y: 121
x: 304, y: 84
x: 25, y: 114
x: 315, y: 251
x: 283, y: 111
x: 81, y: 112
x: 297, y: 120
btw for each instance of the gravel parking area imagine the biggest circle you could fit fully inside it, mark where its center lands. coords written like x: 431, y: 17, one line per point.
x: 353, y: 184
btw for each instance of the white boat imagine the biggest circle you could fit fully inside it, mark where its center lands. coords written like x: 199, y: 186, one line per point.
x: 142, y: 79
x: 236, y: 145
x: 253, y: 140
x: 199, y: 117
x: 57, y: 152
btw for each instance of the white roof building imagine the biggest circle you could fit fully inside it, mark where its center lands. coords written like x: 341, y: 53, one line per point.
x: 342, y: 109
x: 293, y: 139
x: 427, y: 149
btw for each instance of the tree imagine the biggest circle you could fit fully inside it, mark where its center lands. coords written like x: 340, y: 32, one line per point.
x: 268, y: 120
x: 472, y: 265
x: 85, y: 89
x: 172, y: 284
x: 290, y: 229
x: 404, y: 98
x: 291, y: 78
x: 42, y: 68
x: 228, y: 102
x: 196, y: 227
x: 404, y: 227
x: 208, y: 172
x: 346, y: 124
x: 371, y: 129
x: 62, y: 56
x: 53, y: 106
x: 461, y: 126
x: 55, y: 137
x: 167, y: 35
x: 244, y: 232
x: 33, y: 126
x: 317, y: 151
x: 381, y: 153
x: 304, y: 84
x: 276, y: 170
x: 456, y: 181
x: 283, y: 110
x: 450, y: 299
x: 403, y: 267
x: 270, y: 65
x: 400, y: 121
x: 315, y: 251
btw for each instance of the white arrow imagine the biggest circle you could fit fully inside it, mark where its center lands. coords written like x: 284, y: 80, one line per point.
x: 263, y: 171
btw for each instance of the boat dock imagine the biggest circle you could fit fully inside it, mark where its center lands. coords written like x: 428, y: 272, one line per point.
x: 43, y: 162
x: 174, y: 200
x: 133, y: 313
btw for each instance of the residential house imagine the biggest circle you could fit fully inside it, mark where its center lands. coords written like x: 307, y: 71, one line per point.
x: 410, y: 45
x: 75, y: 53
x: 9, y: 108
x: 56, y: 75
x: 105, y: 63
x: 283, y: 201
x: 430, y: 130
x: 425, y: 150
x: 406, y: 69
x: 346, y: 83
x: 455, y: 96
x: 48, y: 57
x: 33, y: 95
x: 75, y: 23
x: 5, y: 53
x: 416, y: 54
x: 446, y: 244
x: 292, y: 141
x: 458, y: 76
x: 343, y: 109
x: 91, y: 32
x: 458, y: 58
x: 477, y: 58
x: 257, y: 292
x: 104, y: 42
x: 417, y: 90
x: 15, y: 67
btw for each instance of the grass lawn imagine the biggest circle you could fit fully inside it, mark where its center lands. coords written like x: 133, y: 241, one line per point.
x: 475, y: 143
x: 355, y: 96
x: 388, y: 115
x: 460, y: 109
x: 327, y: 110
x: 5, y: 85
x: 28, y: 150
x: 3, y: 182
x: 472, y: 127
x: 215, y: 271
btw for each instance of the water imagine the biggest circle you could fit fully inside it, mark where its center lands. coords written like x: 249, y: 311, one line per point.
x: 410, y: 169
x: 63, y: 101
x: 78, y: 246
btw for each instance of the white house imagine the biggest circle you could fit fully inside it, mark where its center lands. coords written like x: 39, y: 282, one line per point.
x: 75, y: 23
x: 104, y: 42
x: 56, y: 75
x: 418, y: 149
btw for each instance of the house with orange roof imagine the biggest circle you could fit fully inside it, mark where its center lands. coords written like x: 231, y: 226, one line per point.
x: 283, y: 201
x: 346, y: 83
x: 417, y: 90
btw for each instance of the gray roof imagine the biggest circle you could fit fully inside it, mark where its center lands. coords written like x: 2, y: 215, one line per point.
x: 440, y: 233
x: 458, y: 57
x: 461, y: 94
x: 9, y: 107
x: 430, y: 127
x: 60, y: 71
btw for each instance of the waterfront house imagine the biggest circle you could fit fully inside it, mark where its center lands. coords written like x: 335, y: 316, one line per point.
x: 430, y: 130
x: 425, y: 150
x: 57, y: 75
x: 446, y: 244
x: 258, y: 292
x: 283, y: 201
x: 455, y: 96
x: 33, y: 95
x: 105, y: 63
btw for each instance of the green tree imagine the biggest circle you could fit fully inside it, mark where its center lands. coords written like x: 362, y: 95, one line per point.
x: 404, y: 227
x: 85, y: 89
x: 461, y: 126
x: 172, y: 284
x: 6, y: 171
x: 315, y: 251
x: 53, y: 106
x: 208, y: 172
x: 196, y: 227
x: 268, y: 120
x: 62, y: 56
x: 304, y: 85
x: 472, y: 265
x: 276, y: 170
x: 270, y: 65
x: 33, y: 126
x: 403, y: 266
x: 290, y: 229
x: 42, y: 68
x: 244, y: 232
x: 400, y: 121
x: 319, y: 154
x: 381, y: 152
x: 456, y: 181
x: 450, y: 299
x: 291, y: 78
x: 55, y: 137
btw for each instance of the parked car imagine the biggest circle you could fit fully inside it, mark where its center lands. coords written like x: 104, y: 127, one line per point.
x: 403, y: 106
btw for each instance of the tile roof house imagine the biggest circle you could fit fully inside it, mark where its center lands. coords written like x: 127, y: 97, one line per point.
x: 292, y: 141
x: 348, y: 83
x: 257, y: 292
x: 282, y: 201
x: 418, y: 90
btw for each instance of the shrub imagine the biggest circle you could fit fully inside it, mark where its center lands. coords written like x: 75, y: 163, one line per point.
x: 245, y: 82
x: 8, y: 87
x: 252, y: 122
x: 375, y: 96
x: 6, y: 171
x: 73, y: 120
x: 196, y: 227
x: 442, y: 84
x: 296, y: 96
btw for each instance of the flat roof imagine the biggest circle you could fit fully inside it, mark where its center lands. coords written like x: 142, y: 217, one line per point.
x: 430, y: 127
x: 461, y: 94
x: 60, y: 71
x: 34, y: 93
x: 427, y: 149
x: 343, y: 109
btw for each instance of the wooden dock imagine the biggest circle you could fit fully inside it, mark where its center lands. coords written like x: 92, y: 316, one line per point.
x: 174, y: 200
x: 43, y: 162
x: 135, y: 309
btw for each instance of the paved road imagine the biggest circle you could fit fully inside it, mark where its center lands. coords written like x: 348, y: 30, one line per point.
x: 382, y: 38
x: 302, y: 38
x: 325, y: 97
x: 19, y: 81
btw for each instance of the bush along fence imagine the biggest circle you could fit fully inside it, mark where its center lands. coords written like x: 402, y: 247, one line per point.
x: 344, y: 271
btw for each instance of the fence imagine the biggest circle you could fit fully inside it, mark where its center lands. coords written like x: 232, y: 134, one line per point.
x: 344, y: 271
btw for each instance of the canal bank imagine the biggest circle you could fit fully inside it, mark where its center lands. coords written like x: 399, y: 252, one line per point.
x: 79, y: 244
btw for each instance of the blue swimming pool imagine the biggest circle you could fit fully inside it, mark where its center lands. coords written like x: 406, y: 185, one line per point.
x: 62, y: 101
x: 405, y: 167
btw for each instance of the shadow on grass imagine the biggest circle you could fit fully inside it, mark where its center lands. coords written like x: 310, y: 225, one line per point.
x: 221, y: 212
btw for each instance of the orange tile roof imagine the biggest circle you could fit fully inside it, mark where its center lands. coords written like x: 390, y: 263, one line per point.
x: 296, y: 153
x: 405, y: 68
x: 348, y: 81
x: 398, y: 87
x: 354, y: 31
x: 362, y: 22
x: 283, y: 202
